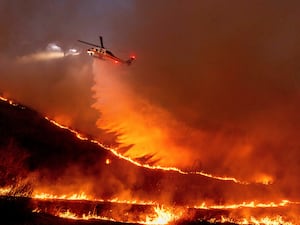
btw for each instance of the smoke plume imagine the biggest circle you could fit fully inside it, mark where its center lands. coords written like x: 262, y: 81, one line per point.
x: 215, y: 86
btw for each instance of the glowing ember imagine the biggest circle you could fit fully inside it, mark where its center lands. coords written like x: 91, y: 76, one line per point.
x: 37, y: 210
x: 107, y: 161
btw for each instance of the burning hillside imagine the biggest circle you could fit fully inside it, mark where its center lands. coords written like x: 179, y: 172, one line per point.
x: 71, y: 176
x: 203, y: 128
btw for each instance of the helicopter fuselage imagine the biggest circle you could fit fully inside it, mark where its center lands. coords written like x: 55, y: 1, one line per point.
x: 98, y: 51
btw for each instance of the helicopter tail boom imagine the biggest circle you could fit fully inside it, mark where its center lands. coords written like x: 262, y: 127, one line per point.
x: 129, y: 61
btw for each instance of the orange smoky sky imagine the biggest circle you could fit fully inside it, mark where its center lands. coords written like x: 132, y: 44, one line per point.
x: 215, y: 86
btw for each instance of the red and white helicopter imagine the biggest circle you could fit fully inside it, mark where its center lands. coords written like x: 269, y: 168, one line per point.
x: 102, y: 53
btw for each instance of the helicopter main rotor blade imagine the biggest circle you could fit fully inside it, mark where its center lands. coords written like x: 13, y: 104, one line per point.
x: 101, y: 42
x: 87, y: 43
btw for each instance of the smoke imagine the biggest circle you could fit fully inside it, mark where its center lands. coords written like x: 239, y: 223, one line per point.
x: 34, y: 40
x: 215, y: 86
x: 231, y: 79
x: 52, y: 51
x: 41, y: 56
x: 143, y: 130
x: 59, y: 88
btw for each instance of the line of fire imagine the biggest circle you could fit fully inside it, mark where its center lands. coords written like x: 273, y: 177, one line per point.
x: 63, y: 184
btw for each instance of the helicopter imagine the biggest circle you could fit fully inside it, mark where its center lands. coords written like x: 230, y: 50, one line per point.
x: 100, y: 52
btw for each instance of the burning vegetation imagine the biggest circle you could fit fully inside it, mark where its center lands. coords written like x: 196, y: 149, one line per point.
x: 67, y: 187
x: 203, y: 129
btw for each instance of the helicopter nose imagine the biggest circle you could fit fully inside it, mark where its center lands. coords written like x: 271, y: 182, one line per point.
x: 89, y: 52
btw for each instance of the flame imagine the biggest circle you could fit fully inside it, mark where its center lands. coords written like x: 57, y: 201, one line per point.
x: 252, y: 204
x: 264, y: 179
x: 277, y: 220
x: 133, y: 202
x: 84, y: 196
x: 114, y: 152
x: 37, y: 210
x: 10, y: 102
x: 75, y: 196
x: 269, y: 221
x: 5, y: 190
x: 162, y: 216
x: 67, y: 214
x: 93, y: 216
